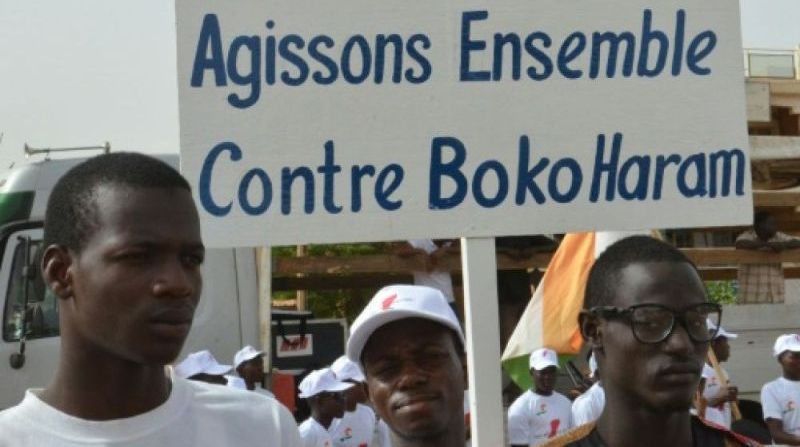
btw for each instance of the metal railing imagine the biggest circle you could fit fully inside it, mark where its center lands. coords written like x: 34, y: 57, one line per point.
x: 774, y: 64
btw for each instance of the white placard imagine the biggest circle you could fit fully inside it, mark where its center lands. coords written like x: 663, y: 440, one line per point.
x: 310, y: 121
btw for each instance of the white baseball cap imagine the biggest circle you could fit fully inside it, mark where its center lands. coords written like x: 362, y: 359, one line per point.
x: 543, y: 358
x: 721, y: 332
x: 397, y: 302
x: 786, y: 342
x: 346, y: 370
x: 200, y: 362
x: 592, y: 365
x: 320, y: 381
x: 245, y: 354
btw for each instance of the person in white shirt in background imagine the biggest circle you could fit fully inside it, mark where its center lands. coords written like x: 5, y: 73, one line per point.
x: 434, y: 276
x: 717, y: 391
x: 589, y: 406
x: 358, y: 426
x: 248, y: 365
x: 780, y: 398
x: 542, y: 413
x: 327, y: 402
x: 201, y: 366
x: 123, y: 255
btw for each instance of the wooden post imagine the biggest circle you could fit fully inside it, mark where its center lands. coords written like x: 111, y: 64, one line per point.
x: 483, y: 341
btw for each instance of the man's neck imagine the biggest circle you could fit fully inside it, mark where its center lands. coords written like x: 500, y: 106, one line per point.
x: 324, y: 421
x: 455, y: 437
x: 626, y: 425
x: 93, y: 386
x: 791, y: 377
x: 543, y: 393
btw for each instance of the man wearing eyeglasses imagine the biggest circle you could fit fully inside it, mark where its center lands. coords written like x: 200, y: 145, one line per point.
x: 645, y: 312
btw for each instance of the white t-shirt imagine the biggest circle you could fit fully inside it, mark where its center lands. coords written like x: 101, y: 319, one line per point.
x: 314, y: 434
x: 196, y: 414
x: 435, y: 279
x: 533, y: 419
x: 721, y: 414
x: 588, y: 406
x: 355, y: 429
x: 780, y: 400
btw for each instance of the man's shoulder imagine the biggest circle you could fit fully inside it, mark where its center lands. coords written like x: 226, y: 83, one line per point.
x: 730, y: 438
x: 235, y: 402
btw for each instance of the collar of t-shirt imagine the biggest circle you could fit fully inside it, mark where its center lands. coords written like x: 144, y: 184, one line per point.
x: 702, y: 436
x: 62, y: 425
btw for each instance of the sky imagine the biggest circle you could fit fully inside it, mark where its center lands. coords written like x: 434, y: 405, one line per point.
x: 83, y: 73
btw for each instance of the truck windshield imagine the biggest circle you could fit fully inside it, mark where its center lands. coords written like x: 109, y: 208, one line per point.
x: 42, y: 311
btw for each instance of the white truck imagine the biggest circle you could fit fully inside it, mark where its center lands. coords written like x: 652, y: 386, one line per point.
x: 227, y: 317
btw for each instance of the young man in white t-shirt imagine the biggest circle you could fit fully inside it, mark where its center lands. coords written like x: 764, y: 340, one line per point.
x: 718, y: 391
x: 780, y: 398
x: 123, y: 254
x: 327, y: 402
x: 542, y: 413
x: 358, y: 426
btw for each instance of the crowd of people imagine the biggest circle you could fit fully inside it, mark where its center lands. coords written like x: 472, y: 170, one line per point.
x: 123, y: 256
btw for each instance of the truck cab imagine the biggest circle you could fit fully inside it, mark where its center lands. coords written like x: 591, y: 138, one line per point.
x: 226, y: 319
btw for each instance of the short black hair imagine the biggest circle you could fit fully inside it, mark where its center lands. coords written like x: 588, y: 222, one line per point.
x: 760, y: 217
x: 604, y: 275
x: 71, y: 215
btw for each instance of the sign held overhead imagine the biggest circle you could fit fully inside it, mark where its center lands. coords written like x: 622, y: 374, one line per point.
x: 306, y: 121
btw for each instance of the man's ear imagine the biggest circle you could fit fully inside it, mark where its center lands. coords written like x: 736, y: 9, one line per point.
x: 57, y: 270
x: 590, y: 329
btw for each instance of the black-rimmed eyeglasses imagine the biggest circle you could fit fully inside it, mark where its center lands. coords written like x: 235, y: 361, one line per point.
x: 653, y: 323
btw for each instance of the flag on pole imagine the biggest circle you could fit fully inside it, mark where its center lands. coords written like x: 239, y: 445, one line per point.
x: 551, y: 318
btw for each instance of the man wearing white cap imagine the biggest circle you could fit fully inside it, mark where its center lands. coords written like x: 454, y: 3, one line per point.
x: 780, y: 398
x: 203, y: 367
x: 411, y: 349
x: 248, y: 364
x: 325, y: 398
x: 357, y: 427
x: 541, y: 413
x: 588, y: 406
x: 717, y: 391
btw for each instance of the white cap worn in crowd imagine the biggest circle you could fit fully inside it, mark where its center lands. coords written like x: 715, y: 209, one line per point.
x: 245, y: 354
x: 320, y: 381
x: 543, y: 358
x: 397, y: 302
x: 200, y: 362
x: 721, y: 332
x: 786, y: 342
x: 346, y: 370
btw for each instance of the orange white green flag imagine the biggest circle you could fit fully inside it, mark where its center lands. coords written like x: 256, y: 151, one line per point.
x: 551, y: 318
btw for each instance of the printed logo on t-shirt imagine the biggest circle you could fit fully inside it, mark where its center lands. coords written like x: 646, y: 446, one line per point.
x: 348, y: 434
x: 542, y: 410
x: 790, y: 406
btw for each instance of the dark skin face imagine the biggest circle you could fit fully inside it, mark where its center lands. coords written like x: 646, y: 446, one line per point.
x: 252, y: 371
x: 355, y: 395
x: 415, y: 377
x: 721, y: 349
x: 127, y: 298
x: 662, y: 376
x: 544, y: 380
x: 649, y: 387
x: 327, y: 406
x: 790, y: 362
x: 766, y: 229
